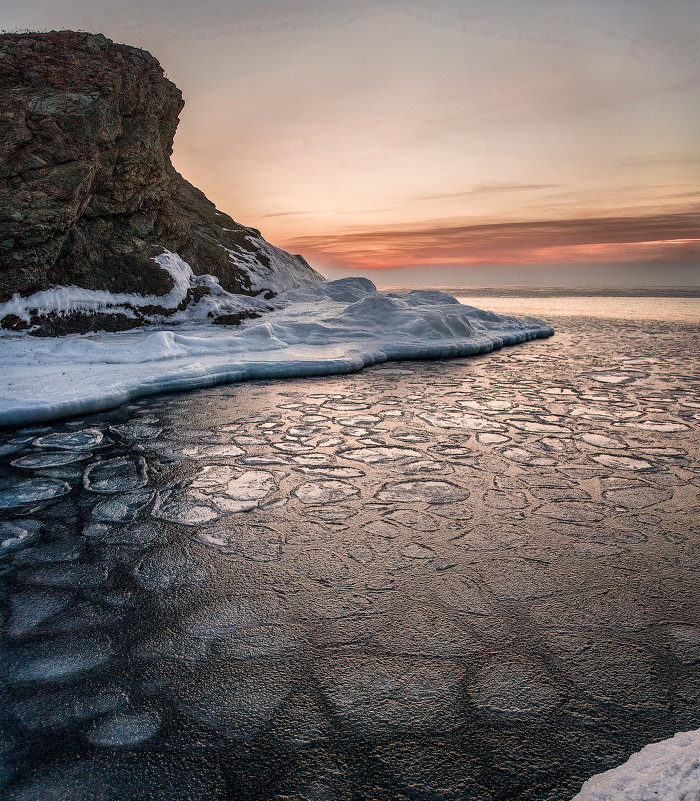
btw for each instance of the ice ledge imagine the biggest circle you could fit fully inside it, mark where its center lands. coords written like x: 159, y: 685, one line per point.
x: 318, y: 329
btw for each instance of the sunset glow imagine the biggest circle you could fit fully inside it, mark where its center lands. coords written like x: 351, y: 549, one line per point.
x: 374, y: 135
x: 349, y: 417
x: 597, y: 240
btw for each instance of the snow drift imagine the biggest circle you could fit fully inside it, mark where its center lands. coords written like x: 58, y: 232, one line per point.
x: 316, y: 329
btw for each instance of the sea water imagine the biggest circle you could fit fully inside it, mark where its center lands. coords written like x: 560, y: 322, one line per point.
x: 458, y: 579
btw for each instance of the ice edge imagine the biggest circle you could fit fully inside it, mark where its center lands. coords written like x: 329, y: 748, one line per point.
x: 317, y: 329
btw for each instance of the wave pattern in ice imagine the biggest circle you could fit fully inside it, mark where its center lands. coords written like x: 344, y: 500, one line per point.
x: 318, y: 589
x: 318, y: 329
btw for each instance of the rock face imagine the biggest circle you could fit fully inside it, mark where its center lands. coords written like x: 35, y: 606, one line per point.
x: 88, y: 196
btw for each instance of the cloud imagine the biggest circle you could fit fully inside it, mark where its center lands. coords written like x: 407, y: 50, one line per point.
x: 663, y: 237
x: 286, y: 214
x: 649, y: 159
x: 483, y: 189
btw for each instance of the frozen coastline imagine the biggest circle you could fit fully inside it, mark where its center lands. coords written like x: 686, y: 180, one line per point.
x: 317, y: 329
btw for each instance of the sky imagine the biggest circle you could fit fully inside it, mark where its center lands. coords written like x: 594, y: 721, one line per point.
x: 552, y: 142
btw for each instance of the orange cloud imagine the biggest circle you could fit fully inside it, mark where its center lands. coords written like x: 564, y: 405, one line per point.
x: 674, y: 237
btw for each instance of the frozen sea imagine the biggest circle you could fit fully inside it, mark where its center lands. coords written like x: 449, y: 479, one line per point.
x: 472, y: 579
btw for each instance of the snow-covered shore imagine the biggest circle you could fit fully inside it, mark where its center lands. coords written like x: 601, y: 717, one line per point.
x: 317, y: 329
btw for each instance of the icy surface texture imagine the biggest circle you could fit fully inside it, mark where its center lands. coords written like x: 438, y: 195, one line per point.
x: 669, y: 770
x: 318, y: 329
x: 417, y: 582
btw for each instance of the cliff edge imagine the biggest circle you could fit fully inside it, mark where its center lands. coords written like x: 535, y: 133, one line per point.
x: 89, y: 198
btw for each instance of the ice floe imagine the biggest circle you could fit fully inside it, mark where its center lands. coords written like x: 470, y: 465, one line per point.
x: 122, y: 508
x: 133, y: 432
x: 30, y: 609
x: 330, y: 491
x: 17, y: 534
x: 63, y: 707
x: 55, y: 660
x: 236, y: 704
x: 115, y: 475
x: 318, y: 329
x: 513, y: 690
x: 461, y: 421
x: 622, y: 462
x: 43, y: 461
x: 166, y: 568
x: 373, y: 697
x: 380, y: 454
x: 215, y: 490
x: 31, y: 492
x: 422, y: 492
x: 86, y: 440
x: 258, y: 543
x: 633, y: 494
x: 124, y: 728
x: 231, y: 490
x: 617, y: 376
x: 67, y: 575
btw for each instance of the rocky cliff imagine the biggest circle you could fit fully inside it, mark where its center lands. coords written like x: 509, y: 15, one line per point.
x: 89, y: 198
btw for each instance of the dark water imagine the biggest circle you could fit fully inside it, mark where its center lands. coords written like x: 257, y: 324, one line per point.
x: 469, y: 579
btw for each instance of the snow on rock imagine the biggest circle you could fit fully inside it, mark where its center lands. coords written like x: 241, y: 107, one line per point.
x: 665, y: 771
x: 276, y: 271
x: 177, y: 306
x: 317, y: 329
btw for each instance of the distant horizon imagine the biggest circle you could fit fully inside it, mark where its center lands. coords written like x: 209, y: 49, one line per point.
x: 628, y: 275
x: 645, y: 291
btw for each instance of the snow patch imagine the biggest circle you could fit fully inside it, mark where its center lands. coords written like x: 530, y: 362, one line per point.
x: 65, y: 300
x: 282, y: 271
x: 665, y: 771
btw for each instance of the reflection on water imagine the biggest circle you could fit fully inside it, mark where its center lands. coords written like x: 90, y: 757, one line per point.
x: 467, y: 580
x: 627, y: 308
